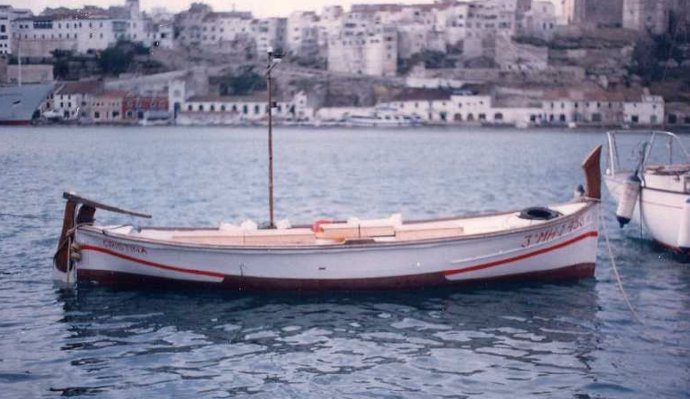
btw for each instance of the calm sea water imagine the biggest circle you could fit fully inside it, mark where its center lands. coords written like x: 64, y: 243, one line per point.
x: 551, y: 340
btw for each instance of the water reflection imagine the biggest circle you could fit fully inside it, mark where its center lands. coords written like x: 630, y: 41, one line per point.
x: 426, y: 342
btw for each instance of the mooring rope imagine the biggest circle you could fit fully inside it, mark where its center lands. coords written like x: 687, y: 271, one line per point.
x: 615, y: 270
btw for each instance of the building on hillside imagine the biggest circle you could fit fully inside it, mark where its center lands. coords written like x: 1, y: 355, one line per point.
x: 486, y: 21
x: 595, y: 106
x: 646, y: 110
x: 188, y: 24
x: 540, y: 21
x: 5, y: 29
x: 677, y: 114
x: 302, y: 36
x: 71, y: 100
x: 107, y: 106
x: 269, y: 33
x: 213, y: 109
x: 90, y: 28
x: 594, y: 13
x: 22, y: 105
x: 369, y: 51
x: 136, y: 107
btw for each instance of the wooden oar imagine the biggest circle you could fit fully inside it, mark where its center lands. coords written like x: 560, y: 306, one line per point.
x: 95, y: 204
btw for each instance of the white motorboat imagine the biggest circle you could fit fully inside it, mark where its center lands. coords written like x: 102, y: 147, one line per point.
x: 383, y: 117
x: 648, y: 173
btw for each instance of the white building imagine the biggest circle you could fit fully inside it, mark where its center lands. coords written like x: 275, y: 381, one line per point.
x: 486, y: 20
x: 269, y: 32
x: 648, y: 110
x: 540, y: 21
x: 243, y: 109
x: 443, y: 106
x: 5, y: 29
x: 82, y: 30
x: 415, y: 38
x: 71, y: 100
x: 373, y: 53
x: 455, y: 21
x: 225, y: 27
x: 302, y: 37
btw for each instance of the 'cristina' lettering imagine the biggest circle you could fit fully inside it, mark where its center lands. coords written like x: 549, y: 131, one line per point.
x: 116, y: 246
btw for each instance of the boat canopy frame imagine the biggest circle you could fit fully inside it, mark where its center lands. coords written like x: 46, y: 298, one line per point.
x: 613, y: 159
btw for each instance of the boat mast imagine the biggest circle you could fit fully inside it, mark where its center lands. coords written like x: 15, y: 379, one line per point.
x: 272, y: 62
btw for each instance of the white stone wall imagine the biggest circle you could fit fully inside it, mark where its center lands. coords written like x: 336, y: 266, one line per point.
x: 648, y: 111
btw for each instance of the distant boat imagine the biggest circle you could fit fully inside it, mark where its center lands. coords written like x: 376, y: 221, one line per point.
x: 653, y: 188
x: 383, y: 117
x: 53, y: 115
x: 152, y: 118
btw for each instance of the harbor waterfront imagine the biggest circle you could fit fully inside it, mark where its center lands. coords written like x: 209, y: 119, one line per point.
x: 558, y: 340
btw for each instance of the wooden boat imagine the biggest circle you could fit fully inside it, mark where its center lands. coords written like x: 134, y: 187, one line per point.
x: 653, y: 188
x: 535, y: 243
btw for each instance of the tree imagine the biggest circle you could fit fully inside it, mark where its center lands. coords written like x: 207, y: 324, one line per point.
x: 245, y: 82
x: 114, y: 60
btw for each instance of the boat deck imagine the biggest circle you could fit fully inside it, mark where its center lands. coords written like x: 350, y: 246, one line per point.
x: 353, y: 231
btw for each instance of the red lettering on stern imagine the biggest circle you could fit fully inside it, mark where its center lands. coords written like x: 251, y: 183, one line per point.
x: 553, y: 232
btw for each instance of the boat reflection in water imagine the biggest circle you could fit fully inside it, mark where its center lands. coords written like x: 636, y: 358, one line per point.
x: 288, y: 344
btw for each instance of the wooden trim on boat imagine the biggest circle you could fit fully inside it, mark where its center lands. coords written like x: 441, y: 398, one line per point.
x: 589, y: 203
x: 592, y: 169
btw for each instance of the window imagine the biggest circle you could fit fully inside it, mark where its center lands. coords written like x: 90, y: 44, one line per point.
x: 189, y: 107
x: 634, y: 119
x: 672, y: 119
x: 256, y: 109
x: 498, y: 116
x: 596, y: 118
x: 201, y: 107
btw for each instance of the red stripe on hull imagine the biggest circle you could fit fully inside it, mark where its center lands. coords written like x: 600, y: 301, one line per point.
x: 110, y: 278
x: 521, y: 257
x: 152, y: 264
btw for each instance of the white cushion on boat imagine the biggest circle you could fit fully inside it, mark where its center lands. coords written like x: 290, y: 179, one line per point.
x: 249, y: 225
x: 283, y: 224
x: 228, y: 227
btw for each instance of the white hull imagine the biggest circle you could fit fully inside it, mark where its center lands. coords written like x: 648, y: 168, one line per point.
x: 562, y: 247
x: 660, y: 212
